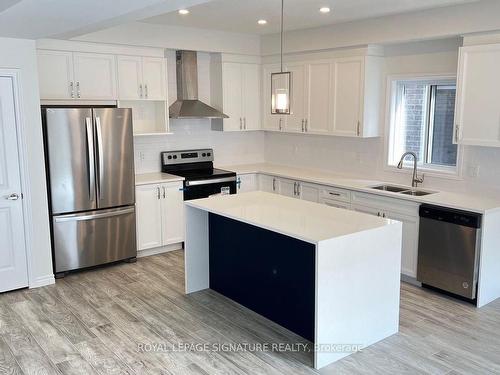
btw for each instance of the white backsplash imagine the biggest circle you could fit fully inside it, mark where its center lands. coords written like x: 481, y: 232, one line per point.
x: 229, y: 147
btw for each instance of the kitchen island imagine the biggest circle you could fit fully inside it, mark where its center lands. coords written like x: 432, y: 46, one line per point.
x: 330, y: 275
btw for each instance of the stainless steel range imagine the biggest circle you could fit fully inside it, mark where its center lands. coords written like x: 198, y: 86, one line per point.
x: 202, y: 180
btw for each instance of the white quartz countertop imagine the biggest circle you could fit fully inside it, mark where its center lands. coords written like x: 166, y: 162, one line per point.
x: 295, y: 218
x: 467, y: 202
x: 155, y: 178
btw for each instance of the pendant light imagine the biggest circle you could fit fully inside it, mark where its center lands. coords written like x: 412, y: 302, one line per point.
x: 281, y: 82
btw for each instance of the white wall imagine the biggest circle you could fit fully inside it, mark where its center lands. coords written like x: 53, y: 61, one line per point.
x: 20, y: 54
x: 229, y: 147
x: 365, y: 157
x: 151, y: 35
x: 428, y: 24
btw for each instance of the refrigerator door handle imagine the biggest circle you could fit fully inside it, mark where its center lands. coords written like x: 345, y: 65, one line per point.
x: 82, y: 217
x: 100, y: 154
x: 90, y: 158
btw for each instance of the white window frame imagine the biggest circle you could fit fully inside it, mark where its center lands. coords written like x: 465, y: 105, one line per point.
x: 391, y: 100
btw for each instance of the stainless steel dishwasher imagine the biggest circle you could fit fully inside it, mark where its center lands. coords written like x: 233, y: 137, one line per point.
x: 448, y: 250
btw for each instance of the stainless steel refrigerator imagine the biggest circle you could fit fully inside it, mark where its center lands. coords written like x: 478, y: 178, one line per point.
x: 90, y: 159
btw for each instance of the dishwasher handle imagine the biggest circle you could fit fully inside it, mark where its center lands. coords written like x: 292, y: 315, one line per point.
x: 449, y: 215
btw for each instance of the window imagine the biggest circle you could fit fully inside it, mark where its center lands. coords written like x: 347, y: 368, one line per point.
x: 422, y: 118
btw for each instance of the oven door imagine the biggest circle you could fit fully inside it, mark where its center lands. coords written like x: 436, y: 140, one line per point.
x: 195, y: 189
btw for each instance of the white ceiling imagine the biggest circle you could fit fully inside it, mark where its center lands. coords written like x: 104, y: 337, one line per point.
x: 34, y: 19
x: 242, y: 15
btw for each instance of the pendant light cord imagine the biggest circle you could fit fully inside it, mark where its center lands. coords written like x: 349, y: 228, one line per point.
x: 281, y: 36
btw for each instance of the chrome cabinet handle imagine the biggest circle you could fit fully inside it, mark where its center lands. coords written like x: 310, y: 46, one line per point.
x: 158, y: 194
x: 245, y: 123
x: 302, y: 125
x: 298, y: 189
x: 335, y: 194
x: 241, y: 123
x: 140, y: 90
x: 164, y: 192
x: 305, y: 125
x: 274, y: 184
x: 279, y: 124
x: 13, y: 197
x: 78, y: 89
x: 146, y: 90
x: 358, y: 131
x: 72, y: 87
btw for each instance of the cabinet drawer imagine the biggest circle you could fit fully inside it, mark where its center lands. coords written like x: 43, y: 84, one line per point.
x: 385, y: 203
x: 337, y: 194
x: 335, y: 203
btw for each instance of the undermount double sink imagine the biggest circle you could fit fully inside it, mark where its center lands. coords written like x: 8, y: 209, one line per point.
x: 402, y: 190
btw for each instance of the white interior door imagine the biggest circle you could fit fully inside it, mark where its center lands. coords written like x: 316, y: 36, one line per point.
x: 13, y: 265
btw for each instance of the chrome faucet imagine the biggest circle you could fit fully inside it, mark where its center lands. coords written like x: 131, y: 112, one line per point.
x: 415, y: 180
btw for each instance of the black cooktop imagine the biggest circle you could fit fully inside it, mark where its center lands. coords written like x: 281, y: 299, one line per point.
x: 205, y: 173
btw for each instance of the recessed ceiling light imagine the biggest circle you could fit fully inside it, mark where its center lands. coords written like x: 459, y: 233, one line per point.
x: 183, y: 11
x: 324, y: 10
x: 262, y: 22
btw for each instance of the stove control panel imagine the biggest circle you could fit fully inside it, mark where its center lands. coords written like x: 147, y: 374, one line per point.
x: 187, y: 156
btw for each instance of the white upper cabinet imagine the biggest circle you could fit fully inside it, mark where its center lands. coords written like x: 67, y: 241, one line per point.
x: 477, y: 111
x: 154, y: 78
x: 141, y: 78
x: 295, y: 122
x: 130, y: 77
x: 240, y: 96
x: 338, y: 96
x: 347, y: 96
x: 319, y: 94
x: 95, y: 76
x: 251, y: 96
x: 270, y: 122
x: 55, y: 74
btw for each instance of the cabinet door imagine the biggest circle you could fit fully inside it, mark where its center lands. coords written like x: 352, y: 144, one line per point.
x: 130, y: 77
x: 251, y: 96
x: 296, y: 119
x: 367, y: 209
x: 148, y: 217
x: 288, y: 187
x: 477, y: 112
x: 232, y: 91
x: 246, y: 183
x: 319, y: 87
x: 268, y: 184
x: 409, y: 248
x: 172, y: 207
x: 270, y: 122
x: 95, y: 76
x: 154, y: 78
x: 308, y: 192
x: 347, y: 96
x: 55, y: 74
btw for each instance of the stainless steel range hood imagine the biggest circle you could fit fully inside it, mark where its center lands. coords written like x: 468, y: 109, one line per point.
x: 187, y: 105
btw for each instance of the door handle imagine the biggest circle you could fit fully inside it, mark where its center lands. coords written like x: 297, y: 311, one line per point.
x: 90, y: 158
x: 100, y: 154
x: 13, y: 197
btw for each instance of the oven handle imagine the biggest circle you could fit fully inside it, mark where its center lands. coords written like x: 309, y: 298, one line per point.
x: 212, y: 181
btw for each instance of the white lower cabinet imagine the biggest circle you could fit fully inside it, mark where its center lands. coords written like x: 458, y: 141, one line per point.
x: 268, y: 183
x: 404, y: 211
x: 159, y: 215
x: 246, y: 183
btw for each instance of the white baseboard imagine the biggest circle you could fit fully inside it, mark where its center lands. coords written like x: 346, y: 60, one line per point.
x: 42, y: 281
x: 159, y: 250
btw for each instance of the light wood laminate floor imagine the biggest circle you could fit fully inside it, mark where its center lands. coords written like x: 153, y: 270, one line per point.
x: 108, y: 320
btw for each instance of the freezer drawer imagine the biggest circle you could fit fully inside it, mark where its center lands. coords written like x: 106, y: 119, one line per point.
x: 93, y: 238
